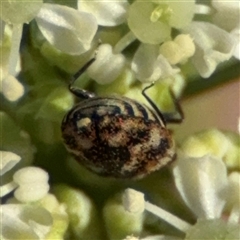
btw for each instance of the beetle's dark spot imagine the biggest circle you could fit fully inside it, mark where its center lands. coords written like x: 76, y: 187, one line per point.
x: 70, y: 141
x: 164, y: 143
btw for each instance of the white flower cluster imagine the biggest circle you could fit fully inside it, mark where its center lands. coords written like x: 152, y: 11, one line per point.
x: 166, y: 30
x: 25, y: 216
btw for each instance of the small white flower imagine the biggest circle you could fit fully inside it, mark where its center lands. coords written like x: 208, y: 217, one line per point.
x: 226, y: 16
x: 213, y: 46
x: 152, y: 21
x: 149, y: 65
x: 33, y: 184
x: 107, y: 66
x: 67, y: 29
x: 178, y: 50
x: 19, y: 221
x: 202, y: 184
x: 107, y: 13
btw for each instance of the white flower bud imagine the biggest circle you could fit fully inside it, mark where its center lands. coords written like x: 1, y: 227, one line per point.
x: 171, y: 51
x: 108, y: 66
x: 33, y: 184
x: 179, y: 50
x: 133, y: 201
x: 187, y: 45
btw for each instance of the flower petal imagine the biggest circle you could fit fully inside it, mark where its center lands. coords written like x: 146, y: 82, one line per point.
x: 11, y: 88
x: 147, y: 31
x: 182, y: 13
x: 15, y: 219
x: 67, y: 29
x: 213, y: 46
x: 149, y: 66
x: 5, y: 48
x: 233, y: 190
x: 213, y: 229
x: 7, y: 188
x: 143, y: 63
x: 83, y: 219
x: 201, y: 182
x: 227, y: 14
x: 236, y: 34
x: 166, y: 69
x: 8, y: 161
x: 19, y: 12
x: 108, y: 66
x: 107, y: 13
x: 59, y: 215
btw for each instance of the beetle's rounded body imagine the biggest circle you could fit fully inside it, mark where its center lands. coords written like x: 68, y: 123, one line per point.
x: 117, y: 137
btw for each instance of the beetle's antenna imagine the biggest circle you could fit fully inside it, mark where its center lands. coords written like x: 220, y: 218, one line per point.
x: 162, y: 119
x: 82, y: 93
x: 83, y: 69
x: 171, y: 118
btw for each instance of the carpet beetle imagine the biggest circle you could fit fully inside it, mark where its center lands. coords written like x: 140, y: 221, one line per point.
x: 117, y: 136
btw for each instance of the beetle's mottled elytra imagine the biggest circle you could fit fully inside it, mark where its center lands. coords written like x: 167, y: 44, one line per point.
x: 117, y: 136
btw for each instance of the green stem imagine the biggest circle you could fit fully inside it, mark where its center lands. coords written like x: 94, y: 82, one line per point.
x: 124, y: 42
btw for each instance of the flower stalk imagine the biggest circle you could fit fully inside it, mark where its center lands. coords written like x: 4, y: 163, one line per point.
x: 134, y: 202
x: 168, y: 217
x: 124, y: 42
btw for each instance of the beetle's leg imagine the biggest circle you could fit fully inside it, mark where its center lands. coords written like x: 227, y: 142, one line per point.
x: 166, y: 117
x: 171, y: 117
x: 159, y: 113
x: 81, y: 93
